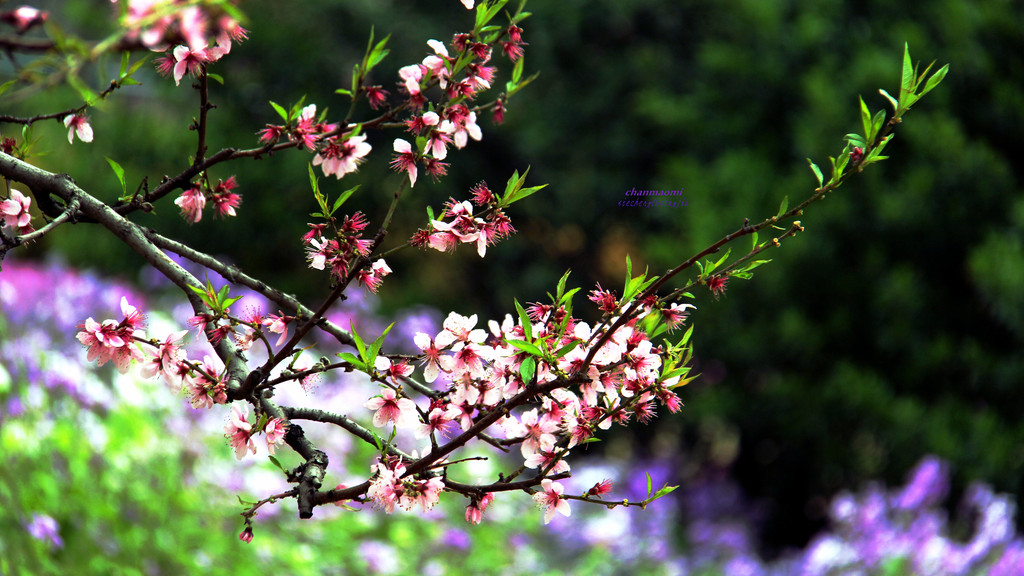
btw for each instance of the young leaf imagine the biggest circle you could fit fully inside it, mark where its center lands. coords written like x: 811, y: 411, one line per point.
x: 280, y: 111
x: 119, y: 172
x: 895, y: 105
x: 527, y: 369
x: 375, y: 347
x: 783, y: 207
x: 934, y: 80
x: 817, y: 173
x: 907, y: 77
x: 524, y: 319
x: 526, y: 347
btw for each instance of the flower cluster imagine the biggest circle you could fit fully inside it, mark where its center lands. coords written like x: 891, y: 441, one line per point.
x: 240, y: 432
x: 193, y: 200
x: 388, y: 487
x: 462, y: 227
x: 340, y: 252
x: 162, y: 25
x: 114, y: 340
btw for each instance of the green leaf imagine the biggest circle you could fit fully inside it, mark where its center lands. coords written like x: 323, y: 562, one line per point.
x: 783, y: 207
x: 560, y: 288
x: 527, y: 369
x: 817, y: 174
x: 351, y: 359
x: 276, y: 463
x: 526, y: 347
x: 567, y: 348
x: 375, y: 347
x: 7, y: 85
x: 125, y: 59
x: 215, y: 77
x: 280, y: 111
x: 865, y: 119
x: 650, y: 483
x: 119, y: 172
x: 934, y: 80
x: 907, y: 77
x: 344, y: 196
x: 663, y: 491
x: 360, y: 345
x: 753, y: 237
x: 895, y: 105
x: 344, y: 92
x: 524, y: 319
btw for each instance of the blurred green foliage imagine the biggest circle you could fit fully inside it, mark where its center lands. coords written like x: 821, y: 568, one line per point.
x: 890, y: 329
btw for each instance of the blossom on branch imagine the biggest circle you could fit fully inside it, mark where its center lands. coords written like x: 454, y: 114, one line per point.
x: 391, y: 408
x: 78, y: 124
x: 341, y: 156
x: 239, y: 431
x: 15, y: 212
x: 551, y: 500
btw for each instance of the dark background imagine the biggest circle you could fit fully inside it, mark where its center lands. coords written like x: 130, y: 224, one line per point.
x: 891, y: 329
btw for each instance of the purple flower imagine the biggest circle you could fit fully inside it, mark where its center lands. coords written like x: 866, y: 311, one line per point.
x: 44, y: 528
x: 927, y: 485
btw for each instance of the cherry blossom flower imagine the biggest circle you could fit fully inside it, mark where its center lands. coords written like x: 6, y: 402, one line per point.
x: 434, y: 362
x: 391, y: 408
x: 406, y: 160
x: 675, y: 315
x: 78, y: 124
x: 392, y: 370
x: 600, y: 489
x: 186, y: 61
x: 372, y: 278
x: 167, y: 360
x: 551, y: 500
x: 275, y: 431
x: 192, y: 202
x: 24, y: 17
x: 717, y: 285
x: 15, y: 211
x: 278, y: 324
x: 342, y: 156
x: 239, y: 431
x: 423, y: 492
x: 476, y: 508
x: 224, y: 200
x: 376, y: 96
x: 412, y: 75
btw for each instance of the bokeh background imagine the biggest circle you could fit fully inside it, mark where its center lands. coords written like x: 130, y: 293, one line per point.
x: 891, y: 329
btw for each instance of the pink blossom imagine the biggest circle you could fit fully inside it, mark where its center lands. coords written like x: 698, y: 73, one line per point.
x: 239, y: 431
x: 188, y: 61
x: 78, y: 124
x: 340, y: 157
x: 246, y: 535
x: 433, y: 360
x: 469, y: 6
x: 412, y: 75
x: 551, y: 500
x: 167, y: 360
x: 15, y: 210
x: 468, y: 129
x: 423, y: 492
x: 475, y: 510
x: 192, y: 202
x: 391, y: 408
x: 372, y: 278
x: 275, y: 431
x: 406, y: 160
x: 393, y: 370
x: 278, y: 325
x: 24, y: 17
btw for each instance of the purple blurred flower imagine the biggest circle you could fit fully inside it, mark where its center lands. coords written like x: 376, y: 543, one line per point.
x: 927, y: 485
x: 456, y: 538
x: 44, y: 528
